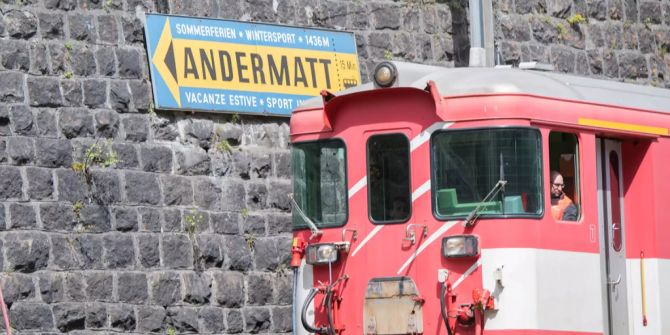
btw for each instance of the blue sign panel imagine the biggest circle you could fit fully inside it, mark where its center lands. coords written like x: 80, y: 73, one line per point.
x: 232, y: 66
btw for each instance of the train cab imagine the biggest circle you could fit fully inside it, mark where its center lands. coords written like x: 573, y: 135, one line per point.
x: 481, y: 200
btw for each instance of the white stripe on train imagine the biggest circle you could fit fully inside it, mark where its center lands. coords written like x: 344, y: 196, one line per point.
x: 416, y: 142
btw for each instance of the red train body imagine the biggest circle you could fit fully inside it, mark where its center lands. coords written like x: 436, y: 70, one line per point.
x: 435, y: 196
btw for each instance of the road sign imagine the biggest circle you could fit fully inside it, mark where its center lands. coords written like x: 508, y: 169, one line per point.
x: 232, y: 66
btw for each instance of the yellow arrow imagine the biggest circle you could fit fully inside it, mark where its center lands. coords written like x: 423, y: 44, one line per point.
x: 163, y: 52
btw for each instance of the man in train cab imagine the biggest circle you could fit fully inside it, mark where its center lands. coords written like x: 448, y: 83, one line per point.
x: 399, y: 210
x: 562, y: 207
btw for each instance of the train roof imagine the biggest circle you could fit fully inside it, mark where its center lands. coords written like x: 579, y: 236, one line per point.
x: 472, y: 81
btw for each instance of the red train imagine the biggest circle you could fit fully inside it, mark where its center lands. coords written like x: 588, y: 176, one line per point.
x: 482, y: 200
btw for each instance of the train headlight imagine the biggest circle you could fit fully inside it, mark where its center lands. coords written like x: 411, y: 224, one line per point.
x: 460, y: 246
x: 323, y: 253
x: 385, y: 74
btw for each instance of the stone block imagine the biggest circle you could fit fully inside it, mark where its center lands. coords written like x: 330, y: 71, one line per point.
x: 183, y: 319
x: 235, y: 195
x: 279, y: 223
x: 257, y: 196
x: 177, y: 251
x: 106, y: 123
x: 119, y: 251
x: 84, y: 59
x: 266, y: 254
x: 106, y: 61
x: 11, y: 183
x: 20, y: 24
x: 51, y: 287
x: 44, y: 92
x: 75, y: 286
x: 284, y: 288
x: 40, y: 183
x: 257, y: 320
x: 26, y: 252
x: 90, y: 249
x: 141, y: 93
x: 17, y: 287
x: 126, y: 219
x: 384, y: 15
x: 64, y: 255
x: 31, y: 316
x: 22, y: 120
x: 229, y: 289
x: 15, y: 55
x: 282, y: 164
x: 39, y: 63
x: 156, y: 159
x: 133, y: 288
x: 172, y: 221
x: 197, y: 288
x: 106, y: 186
x: 72, y: 93
x: 150, y: 219
x: 165, y: 289
x: 151, y: 319
x: 149, y: 251
x: 122, y: 317
x: 108, y: 29
x: 129, y: 63
x: 259, y: 289
x: 199, y: 132
x: 82, y: 27
x: 76, y: 122
x: 119, y: 96
x: 278, y: 195
x: 95, y: 93
x: 238, y: 253
x: 95, y: 219
x: 210, y: 253
x: 178, y: 191
x: 142, y: 188
x: 234, y: 321
x: 127, y: 155
x: 282, y: 319
x: 51, y: 25
x: 208, y: 193
x: 96, y: 316
x: 20, y: 150
x: 11, y: 87
x: 133, y: 29
x: 99, y: 286
x: 192, y: 162
x: 53, y: 152
x: 136, y: 128
x: 23, y: 216
x: 227, y: 223
x: 211, y: 320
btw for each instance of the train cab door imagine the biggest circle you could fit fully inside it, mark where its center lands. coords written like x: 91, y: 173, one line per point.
x: 612, y: 236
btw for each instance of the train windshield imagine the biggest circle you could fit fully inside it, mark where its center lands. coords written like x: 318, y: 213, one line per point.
x: 468, y: 164
x: 320, y: 183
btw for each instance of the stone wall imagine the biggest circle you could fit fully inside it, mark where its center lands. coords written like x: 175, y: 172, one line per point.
x: 179, y: 222
x: 173, y: 222
x: 624, y: 40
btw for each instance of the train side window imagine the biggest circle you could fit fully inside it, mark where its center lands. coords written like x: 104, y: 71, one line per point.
x: 564, y: 176
x: 389, y: 195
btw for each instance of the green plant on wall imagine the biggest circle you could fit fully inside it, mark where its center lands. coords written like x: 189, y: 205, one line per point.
x: 561, y: 30
x: 250, y: 238
x: 100, y: 155
x: 192, y: 221
x: 576, y: 19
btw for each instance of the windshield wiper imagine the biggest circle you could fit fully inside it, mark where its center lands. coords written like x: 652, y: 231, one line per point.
x: 472, y: 217
x: 312, y: 226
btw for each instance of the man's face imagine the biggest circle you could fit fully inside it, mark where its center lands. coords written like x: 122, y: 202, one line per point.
x: 557, y: 186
